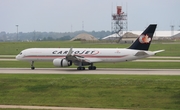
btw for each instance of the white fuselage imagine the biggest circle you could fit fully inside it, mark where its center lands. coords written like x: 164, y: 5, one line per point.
x: 92, y: 54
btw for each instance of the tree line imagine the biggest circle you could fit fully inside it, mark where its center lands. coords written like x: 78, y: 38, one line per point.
x: 48, y: 36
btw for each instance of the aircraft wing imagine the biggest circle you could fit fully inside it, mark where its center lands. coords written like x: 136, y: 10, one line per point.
x: 78, y: 58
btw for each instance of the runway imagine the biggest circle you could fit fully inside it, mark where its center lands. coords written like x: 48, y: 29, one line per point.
x: 115, y: 71
x: 51, y: 108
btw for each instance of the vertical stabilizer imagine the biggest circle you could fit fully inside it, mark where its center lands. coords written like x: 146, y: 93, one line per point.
x: 144, y: 40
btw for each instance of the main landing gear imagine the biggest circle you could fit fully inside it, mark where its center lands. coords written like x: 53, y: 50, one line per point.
x: 90, y: 67
x: 80, y: 68
x: 32, y: 65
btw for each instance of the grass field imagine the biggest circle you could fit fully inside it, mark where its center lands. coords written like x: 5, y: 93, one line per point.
x: 92, y: 91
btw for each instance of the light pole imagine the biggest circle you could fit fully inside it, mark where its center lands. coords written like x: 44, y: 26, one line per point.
x: 172, y: 30
x: 17, y: 32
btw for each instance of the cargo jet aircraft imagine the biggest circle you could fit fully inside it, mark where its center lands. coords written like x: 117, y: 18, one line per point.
x: 64, y: 57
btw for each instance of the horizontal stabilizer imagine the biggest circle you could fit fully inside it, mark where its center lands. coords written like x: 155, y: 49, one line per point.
x: 158, y: 51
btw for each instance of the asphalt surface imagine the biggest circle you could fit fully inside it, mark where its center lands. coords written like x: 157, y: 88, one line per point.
x: 52, y: 108
x: 98, y: 71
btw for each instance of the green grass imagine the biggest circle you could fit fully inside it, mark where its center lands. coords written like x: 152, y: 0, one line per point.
x: 13, y: 48
x: 92, y: 91
x: 148, y: 65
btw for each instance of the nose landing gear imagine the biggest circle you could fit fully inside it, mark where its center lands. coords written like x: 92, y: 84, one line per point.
x: 32, y: 65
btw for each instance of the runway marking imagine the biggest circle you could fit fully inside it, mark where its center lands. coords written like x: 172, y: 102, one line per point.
x: 52, y: 108
x: 2, y: 59
x: 98, y: 71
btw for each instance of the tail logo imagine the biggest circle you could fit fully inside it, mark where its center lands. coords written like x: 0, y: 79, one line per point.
x: 144, y: 39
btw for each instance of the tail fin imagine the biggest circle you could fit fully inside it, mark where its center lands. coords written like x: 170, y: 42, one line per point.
x: 144, y: 40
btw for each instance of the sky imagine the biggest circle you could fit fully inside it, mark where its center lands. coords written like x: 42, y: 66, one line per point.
x: 88, y: 15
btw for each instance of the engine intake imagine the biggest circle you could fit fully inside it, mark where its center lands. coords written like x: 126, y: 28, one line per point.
x: 61, y: 62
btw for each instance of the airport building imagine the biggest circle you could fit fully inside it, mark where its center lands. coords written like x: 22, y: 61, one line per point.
x: 158, y: 35
x: 119, y: 27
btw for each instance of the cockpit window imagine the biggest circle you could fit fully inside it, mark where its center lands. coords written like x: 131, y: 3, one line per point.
x: 20, y: 53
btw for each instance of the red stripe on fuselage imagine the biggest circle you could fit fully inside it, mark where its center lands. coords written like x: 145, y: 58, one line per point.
x: 86, y: 56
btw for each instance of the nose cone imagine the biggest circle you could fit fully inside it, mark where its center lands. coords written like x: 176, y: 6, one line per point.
x: 17, y: 57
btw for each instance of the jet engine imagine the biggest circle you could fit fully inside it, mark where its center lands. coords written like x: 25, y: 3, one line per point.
x: 61, y: 62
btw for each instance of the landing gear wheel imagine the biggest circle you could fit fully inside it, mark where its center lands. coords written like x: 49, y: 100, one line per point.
x: 92, y: 68
x: 80, y: 68
x: 33, y: 68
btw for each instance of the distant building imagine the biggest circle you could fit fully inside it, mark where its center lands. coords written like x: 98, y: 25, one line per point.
x: 3, y: 36
x: 84, y: 37
x: 132, y: 35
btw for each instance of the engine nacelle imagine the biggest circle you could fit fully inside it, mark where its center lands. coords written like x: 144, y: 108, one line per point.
x: 61, y: 62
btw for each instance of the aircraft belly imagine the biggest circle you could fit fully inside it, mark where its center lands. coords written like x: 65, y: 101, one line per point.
x: 44, y: 59
x: 38, y: 59
x: 111, y: 60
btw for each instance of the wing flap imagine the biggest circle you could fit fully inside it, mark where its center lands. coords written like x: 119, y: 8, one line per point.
x: 75, y: 58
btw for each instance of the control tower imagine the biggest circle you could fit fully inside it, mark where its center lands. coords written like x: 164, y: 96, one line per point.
x: 119, y: 23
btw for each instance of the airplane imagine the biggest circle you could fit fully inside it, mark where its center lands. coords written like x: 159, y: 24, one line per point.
x: 64, y: 57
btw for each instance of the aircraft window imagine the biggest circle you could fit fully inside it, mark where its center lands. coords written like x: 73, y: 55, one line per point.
x: 20, y: 53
